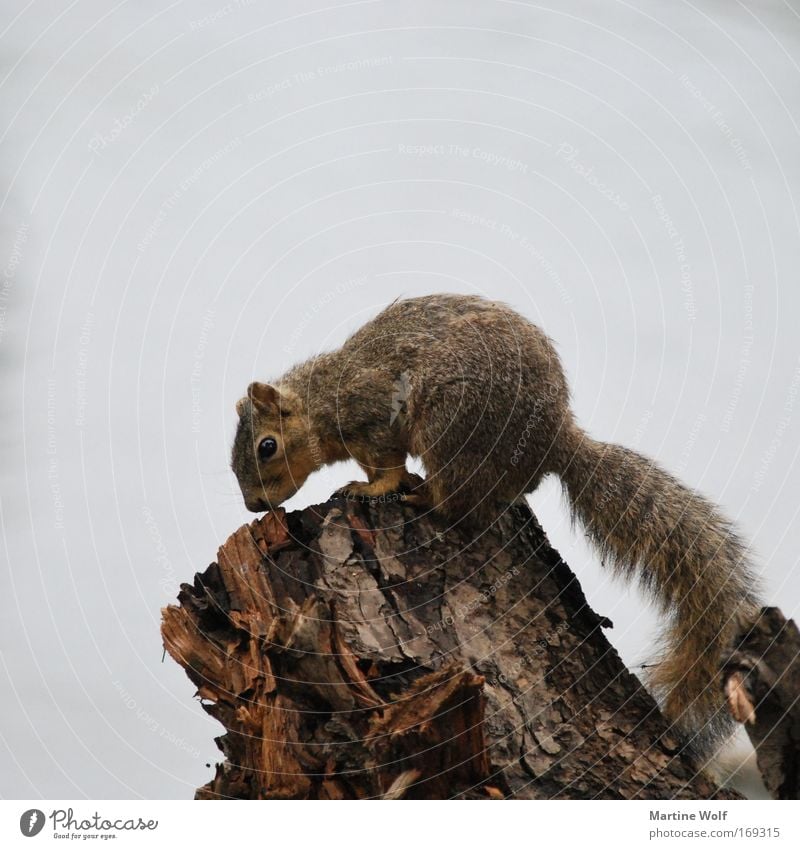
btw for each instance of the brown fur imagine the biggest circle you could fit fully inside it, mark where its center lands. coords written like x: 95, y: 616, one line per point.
x: 478, y: 393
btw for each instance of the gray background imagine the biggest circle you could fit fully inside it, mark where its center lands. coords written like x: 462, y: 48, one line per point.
x: 198, y: 194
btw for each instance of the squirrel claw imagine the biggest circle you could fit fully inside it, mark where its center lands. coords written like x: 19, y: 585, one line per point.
x: 378, y: 490
x: 362, y: 490
x: 353, y: 489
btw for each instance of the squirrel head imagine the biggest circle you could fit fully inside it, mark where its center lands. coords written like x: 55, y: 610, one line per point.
x: 272, y: 454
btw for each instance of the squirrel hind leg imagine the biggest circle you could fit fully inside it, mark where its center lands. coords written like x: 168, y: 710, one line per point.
x: 459, y: 506
x: 458, y: 487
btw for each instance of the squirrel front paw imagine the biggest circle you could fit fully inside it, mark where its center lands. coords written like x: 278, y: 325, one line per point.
x: 370, y: 492
x: 362, y: 489
x: 409, y: 489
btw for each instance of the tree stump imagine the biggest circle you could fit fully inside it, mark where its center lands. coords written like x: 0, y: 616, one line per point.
x: 356, y: 650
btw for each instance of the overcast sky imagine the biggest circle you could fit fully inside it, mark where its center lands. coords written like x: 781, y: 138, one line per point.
x: 199, y: 194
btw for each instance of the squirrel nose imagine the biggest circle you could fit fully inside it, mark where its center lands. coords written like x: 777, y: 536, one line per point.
x: 257, y: 505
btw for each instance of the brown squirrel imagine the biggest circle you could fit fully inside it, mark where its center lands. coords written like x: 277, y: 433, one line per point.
x: 477, y: 392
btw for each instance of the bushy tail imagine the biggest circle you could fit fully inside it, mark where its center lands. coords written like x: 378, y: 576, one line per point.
x: 689, y: 560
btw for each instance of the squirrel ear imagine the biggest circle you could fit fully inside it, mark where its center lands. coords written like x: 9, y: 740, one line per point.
x: 263, y: 395
x: 241, y: 406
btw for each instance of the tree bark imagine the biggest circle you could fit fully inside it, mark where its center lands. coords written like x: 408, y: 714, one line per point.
x: 763, y: 686
x: 358, y: 650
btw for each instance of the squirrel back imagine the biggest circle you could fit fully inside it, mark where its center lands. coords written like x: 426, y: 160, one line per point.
x: 478, y: 393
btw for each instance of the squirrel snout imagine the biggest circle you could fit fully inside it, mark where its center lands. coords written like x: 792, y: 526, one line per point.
x: 256, y: 505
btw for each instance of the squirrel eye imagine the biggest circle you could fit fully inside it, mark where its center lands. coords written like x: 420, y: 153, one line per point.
x: 266, y: 448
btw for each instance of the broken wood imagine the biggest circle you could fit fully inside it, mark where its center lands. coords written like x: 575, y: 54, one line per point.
x: 358, y: 650
x: 762, y: 682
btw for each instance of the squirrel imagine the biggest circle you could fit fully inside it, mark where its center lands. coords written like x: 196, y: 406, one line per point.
x: 478, y: 394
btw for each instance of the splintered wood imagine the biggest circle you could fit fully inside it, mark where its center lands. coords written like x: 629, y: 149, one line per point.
x: 364, y: 651
x: 763, y: 689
